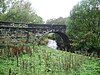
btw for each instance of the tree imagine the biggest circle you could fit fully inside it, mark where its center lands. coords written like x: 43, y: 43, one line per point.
x: 21, y: 11
x: 4, y: 6
x: 60, y: 21
x: 84, y: 25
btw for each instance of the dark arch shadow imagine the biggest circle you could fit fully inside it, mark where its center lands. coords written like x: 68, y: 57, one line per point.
x: 65, y: 39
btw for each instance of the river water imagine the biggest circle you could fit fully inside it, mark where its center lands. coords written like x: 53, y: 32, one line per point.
x: 52, y: 44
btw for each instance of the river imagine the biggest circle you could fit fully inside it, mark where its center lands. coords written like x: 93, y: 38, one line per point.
x: 52, y: 44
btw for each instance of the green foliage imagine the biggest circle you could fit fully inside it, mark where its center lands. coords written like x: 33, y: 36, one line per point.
x: 84, y: 26
x: 21, y: 11
x: 60, y: 21
x: 3, y: 6
x: 90, y: 67
x: 46, y: 61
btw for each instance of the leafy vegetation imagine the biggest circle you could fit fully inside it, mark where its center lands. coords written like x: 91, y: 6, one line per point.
x: 84, y: 26
x: 89, y: 67
x: 59, y: 21
x: 46, y: 61
x: 18, y: 11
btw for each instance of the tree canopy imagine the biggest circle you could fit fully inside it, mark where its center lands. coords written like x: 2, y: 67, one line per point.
x: 84, y: 25
x: 59, y: 21
x: 19, y: 11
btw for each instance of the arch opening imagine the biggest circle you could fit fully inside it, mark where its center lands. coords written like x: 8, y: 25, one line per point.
x: 66, y: 43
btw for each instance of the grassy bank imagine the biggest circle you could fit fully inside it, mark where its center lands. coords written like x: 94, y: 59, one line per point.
x: 46, y: 61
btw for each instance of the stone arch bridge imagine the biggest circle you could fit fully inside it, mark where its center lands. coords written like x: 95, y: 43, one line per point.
x: 11, y: 32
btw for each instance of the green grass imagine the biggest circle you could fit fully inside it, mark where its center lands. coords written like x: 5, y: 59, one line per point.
x: 91, y: 66
x: 46, y: 61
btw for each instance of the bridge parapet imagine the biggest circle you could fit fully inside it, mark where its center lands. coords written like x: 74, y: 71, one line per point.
x: 22, y: 32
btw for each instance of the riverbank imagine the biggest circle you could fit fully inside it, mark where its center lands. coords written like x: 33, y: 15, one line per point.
x: 47, y: 61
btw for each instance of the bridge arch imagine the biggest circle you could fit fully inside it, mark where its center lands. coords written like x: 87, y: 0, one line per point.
x: 26, y: 32
x: 64, y: 37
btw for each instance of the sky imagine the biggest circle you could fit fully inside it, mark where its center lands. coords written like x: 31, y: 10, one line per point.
x: 49, y: 9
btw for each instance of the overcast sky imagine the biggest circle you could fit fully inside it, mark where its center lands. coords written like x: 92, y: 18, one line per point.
x: 49, y: 9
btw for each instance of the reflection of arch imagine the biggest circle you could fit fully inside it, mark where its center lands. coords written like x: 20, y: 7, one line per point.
x: 64, y: 38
